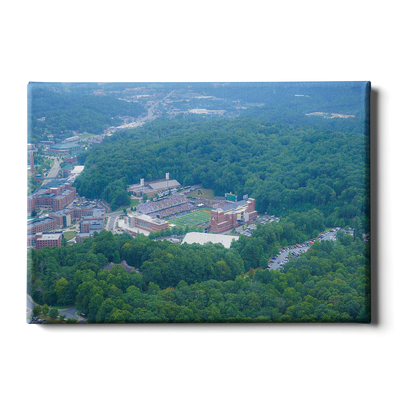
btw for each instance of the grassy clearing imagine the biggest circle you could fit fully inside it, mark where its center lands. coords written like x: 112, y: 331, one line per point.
x: 69, y: 235
x: 134, y: 203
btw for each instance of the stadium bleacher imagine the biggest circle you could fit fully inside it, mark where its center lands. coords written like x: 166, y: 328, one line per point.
x: 158, y: 205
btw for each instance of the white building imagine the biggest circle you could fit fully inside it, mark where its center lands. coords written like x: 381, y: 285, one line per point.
x: 203, y: 238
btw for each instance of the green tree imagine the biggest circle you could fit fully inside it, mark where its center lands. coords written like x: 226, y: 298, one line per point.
x: 61, y: 289
x: 94, y: 306
x: 37, y: 310
x: 274, y: 250
x: 276, y: 315
x: 53, y: 313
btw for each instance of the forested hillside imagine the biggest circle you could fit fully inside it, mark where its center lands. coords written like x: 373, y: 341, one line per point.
x: 283, y: 168
x: 194, y: 283
x: 74, y: 111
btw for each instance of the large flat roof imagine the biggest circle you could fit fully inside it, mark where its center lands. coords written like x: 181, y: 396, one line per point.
x: 234, y: 206
x: 50, y: 236
x: 164, y: 184
x: 147, y: 218
x: 203, y: 238
x: 65, y: 146
x: 78, y: 169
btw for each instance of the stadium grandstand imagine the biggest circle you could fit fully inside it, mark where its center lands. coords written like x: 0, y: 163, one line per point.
x: 158, y: 205
x: 173, y: 210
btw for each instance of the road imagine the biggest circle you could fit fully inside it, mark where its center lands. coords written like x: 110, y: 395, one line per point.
x: 68, y: 312
x: 148, y: 117
x: 112, y: 219
x: 72, y: 313
x: 29, y: 306
x: 53, y: 172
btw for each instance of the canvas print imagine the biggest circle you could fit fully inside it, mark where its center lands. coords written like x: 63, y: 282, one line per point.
x: 198, y: 203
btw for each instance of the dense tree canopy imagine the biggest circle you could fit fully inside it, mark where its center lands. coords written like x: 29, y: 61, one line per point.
x: 74, y: 111
x: 193, y: 283
x: 283, y: 168
x: 311, y: 172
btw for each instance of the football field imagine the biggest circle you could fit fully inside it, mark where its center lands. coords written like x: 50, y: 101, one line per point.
x: 192, y: 219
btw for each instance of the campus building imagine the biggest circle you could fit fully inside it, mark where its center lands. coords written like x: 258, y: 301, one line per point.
x: 48, y: 240
x: 56, y: 194
x: 42, y: 225
x: 204, y: 238
x: 225, y: 218
x: 64, y: 148
x: 92, y: 221
x: 145, y: 222
x: 45, y: 239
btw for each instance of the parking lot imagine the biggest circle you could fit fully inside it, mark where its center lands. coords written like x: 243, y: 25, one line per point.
x: 295, y: 251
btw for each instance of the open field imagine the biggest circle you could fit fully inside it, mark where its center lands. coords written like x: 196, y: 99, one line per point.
x: 69, y: 235
x: 194, y: 218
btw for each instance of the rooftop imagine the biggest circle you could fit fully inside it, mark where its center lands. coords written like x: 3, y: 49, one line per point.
x: 63, y: 194
x: 203, y: 238
x: 233, y: 206
x: 39, y: 221
x: 78, y: 169
x: 97, y: 213
x: 147, y: 218
x: 164, y: 184
x: 50, y: 236
x: 65, y: 146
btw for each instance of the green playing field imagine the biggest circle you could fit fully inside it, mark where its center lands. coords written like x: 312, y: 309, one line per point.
x: 194, y: 218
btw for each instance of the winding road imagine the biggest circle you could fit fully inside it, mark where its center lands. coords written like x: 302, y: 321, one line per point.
x: 68, y: 312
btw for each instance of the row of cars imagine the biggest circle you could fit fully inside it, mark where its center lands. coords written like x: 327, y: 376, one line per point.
x: 296, y: 250
x: 247, y: 231
x: 36, y: 320
x: 283, y: 256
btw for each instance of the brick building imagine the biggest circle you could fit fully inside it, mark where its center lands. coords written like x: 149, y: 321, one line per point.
x: 142, y: 221
x: 56, y: 194
x: 42, y: 225
x: 48, y: 240
x: 62, y: 200
x: 71, y: 159
x: 45, y: 239
x: 63, y: 217
x: 225, y: 218
x: 92, y: 220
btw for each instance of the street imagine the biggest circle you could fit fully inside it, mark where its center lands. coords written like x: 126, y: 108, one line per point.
x: 29, y: 306
x: 149, y: 117
x: 68, y: 312
x: 112, y: 218
x: 53, y: 172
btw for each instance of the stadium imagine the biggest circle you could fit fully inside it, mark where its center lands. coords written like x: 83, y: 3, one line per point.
x: 174, y: 206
